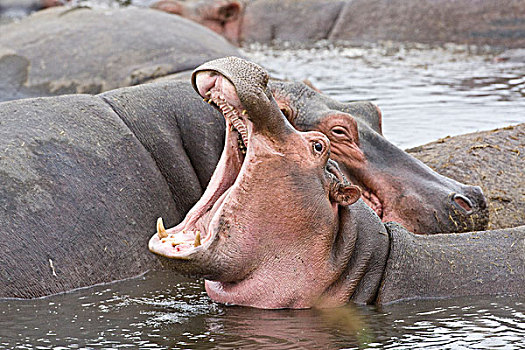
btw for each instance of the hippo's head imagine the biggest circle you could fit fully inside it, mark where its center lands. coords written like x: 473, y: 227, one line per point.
x: 396, y: 185
x: 222, y: 16
x: 266, y: 231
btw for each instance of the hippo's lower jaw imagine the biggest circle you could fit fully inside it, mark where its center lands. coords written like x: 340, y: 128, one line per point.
x: 196, y: 234
x: 391, y: 200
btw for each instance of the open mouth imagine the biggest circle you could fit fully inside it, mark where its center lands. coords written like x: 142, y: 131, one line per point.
x: 196, y: 231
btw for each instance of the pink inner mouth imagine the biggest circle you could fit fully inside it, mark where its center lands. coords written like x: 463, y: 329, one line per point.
x: 194, y: 231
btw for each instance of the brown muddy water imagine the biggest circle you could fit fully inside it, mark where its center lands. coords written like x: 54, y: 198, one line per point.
x: 425, y: 93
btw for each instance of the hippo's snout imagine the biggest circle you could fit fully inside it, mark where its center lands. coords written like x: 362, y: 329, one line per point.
x: 471, y: 204
x: 472, y: 200
x: 462, y: 203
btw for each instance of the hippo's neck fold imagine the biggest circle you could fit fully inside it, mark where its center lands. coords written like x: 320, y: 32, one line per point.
x: 445, y: 265
x: 361, y: 268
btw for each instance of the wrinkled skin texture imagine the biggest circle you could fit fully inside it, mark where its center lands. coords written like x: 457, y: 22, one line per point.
x: 82, y: 177
x: 78, y: 50
x: 360, y: 21
x: 280, y: 227
x: 397, y: 186
x: 476, y: 263
x: 494, y: 159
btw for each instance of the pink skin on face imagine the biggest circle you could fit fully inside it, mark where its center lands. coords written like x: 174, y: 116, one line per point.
x: 267, y: 221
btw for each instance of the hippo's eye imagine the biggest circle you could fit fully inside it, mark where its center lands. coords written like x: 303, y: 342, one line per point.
x: 318, y: 147
x: 338, y: 131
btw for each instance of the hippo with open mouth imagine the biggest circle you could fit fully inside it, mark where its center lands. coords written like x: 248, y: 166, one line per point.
x: 280, y: 227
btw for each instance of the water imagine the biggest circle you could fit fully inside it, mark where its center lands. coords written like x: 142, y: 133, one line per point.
x: 425, y: 93
x: 161, y: 311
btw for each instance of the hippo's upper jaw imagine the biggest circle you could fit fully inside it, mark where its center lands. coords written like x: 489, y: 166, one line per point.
x: 194, y: 237
x: 266, y: 231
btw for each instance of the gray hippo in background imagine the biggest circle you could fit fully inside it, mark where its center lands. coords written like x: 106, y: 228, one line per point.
x: 280, y: 227
x: 21, y: 8
x: 498, y: 23
x: 495, y: 159
x: 82, y: 50
x: 84, y: 177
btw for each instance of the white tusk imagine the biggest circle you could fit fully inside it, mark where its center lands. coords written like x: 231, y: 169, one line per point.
x: 161, y: 231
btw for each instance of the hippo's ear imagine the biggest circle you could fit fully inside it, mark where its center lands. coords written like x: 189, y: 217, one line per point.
x: 226, y: 11
x: 346, y: 194
x: 367, y: 112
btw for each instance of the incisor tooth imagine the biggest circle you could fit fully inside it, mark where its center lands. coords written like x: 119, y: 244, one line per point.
x: 161, y: 231
x: 208, y: 93
x: 197, y: 239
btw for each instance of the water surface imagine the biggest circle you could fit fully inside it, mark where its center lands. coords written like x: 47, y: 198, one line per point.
x: 163, y: 311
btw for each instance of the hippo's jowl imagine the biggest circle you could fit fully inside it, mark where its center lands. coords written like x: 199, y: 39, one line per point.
x: 275, y: 228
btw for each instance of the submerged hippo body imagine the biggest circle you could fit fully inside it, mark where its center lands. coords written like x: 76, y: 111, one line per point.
x: 280, y: 227
x: 82, y: 50
x: 82, y: 177
x: 494, y: 159
x: 498, y: 23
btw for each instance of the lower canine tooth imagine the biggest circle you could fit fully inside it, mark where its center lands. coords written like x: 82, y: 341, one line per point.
x: 161, y: 231
x: 197, y: 239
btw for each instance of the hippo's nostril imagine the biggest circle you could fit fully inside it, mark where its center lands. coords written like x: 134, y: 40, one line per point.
x: 463, y: 203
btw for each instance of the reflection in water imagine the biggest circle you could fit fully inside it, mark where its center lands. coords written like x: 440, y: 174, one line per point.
x: 424, y: 93
x: 161, y: 311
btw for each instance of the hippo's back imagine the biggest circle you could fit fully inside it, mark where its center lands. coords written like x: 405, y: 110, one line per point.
x: 79, y: 196
x: 83, y: 50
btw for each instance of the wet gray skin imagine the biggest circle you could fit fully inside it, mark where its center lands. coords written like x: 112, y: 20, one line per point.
x: 396, y: 185
x: 84, y: 177
x: 359, y: 20
x: 366, y: 262
x: 82, y: 50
